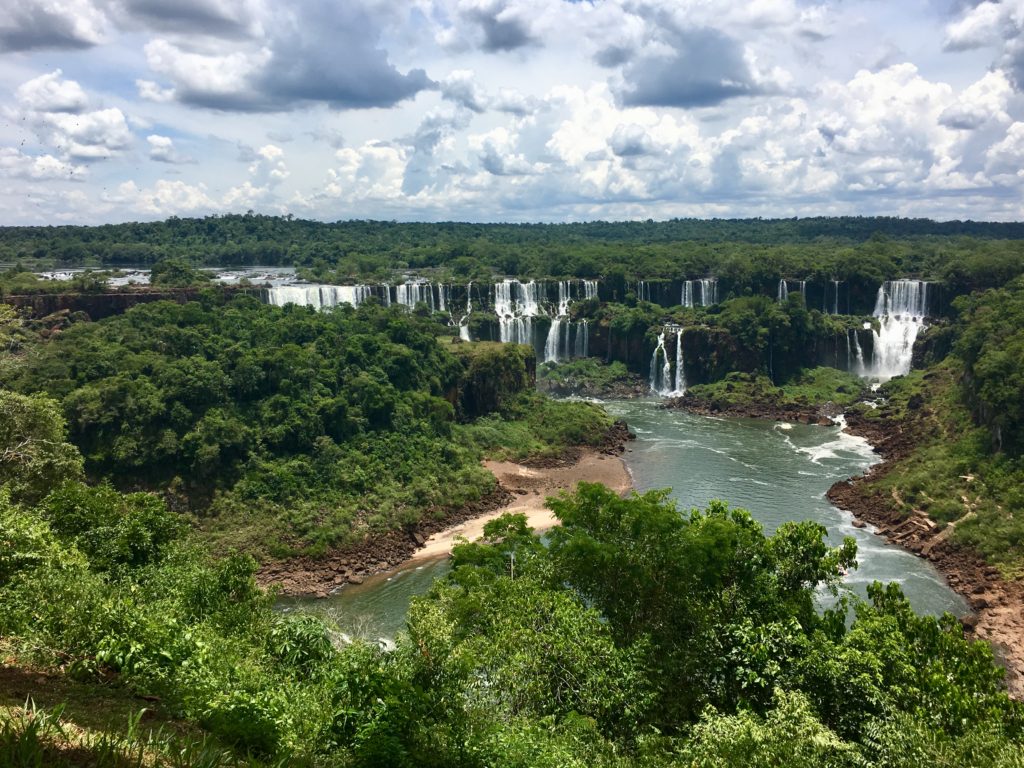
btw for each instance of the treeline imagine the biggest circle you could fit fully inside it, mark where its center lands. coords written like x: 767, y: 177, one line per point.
x: 746, y: 252
x: 292, y: 430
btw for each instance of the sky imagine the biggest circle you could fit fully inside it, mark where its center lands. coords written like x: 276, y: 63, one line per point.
x: 510, y: 110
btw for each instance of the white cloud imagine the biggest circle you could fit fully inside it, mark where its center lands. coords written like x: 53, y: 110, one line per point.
x: 48, y: 93
x: 13, y: 163
x: 27, y: 25
x: 150, y: 91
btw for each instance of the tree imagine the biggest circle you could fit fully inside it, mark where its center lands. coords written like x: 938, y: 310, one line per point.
x: 33, y: 453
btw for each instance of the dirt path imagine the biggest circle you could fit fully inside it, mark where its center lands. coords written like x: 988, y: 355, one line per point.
x: 997, y: 604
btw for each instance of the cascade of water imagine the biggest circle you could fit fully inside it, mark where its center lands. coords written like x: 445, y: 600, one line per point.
x: 708, y: 291
x: 661, y: 374
x: 318, y: 296
x: 859, y: 370
x: 783, y: 291
x: 516, y: 304
x: 708, y: 287
x: 643, y: 291
x: 835, y: 299
x: 680, y: 387
x: 557, y: 345
x: 901, y: 307
x: 553, y: 344
x: 849, y: 357
x: 803, y: 290
x: 582, y: 338
x: 411, y: 293
x: 464, y: 320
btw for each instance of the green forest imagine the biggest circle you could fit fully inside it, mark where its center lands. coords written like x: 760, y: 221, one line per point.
x: 152, y: 462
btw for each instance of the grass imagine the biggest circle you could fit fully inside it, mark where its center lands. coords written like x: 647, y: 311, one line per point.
x: 48, y: 719
x: 952, y: 475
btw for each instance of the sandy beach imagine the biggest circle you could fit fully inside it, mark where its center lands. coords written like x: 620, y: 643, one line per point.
x: 530, y: 488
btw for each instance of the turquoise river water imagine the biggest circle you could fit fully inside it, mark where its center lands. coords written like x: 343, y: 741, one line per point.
x: 778, y: 471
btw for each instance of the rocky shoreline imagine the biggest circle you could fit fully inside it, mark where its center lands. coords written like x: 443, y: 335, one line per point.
x: 823, y: 415
x: 997, y: 605
x: 309, y: 576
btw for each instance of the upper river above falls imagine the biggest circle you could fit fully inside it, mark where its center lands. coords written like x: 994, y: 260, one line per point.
x: 777, y: 471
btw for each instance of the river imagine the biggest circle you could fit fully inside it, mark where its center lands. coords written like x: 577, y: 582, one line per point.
x: 778, y: 471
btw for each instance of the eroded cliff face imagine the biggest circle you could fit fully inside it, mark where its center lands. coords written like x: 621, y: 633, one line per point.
x: 100, y: 305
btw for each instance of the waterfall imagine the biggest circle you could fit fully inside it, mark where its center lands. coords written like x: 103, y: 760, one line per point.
x: 661, y: 375
x: 464, y: 320
x: 803, y: 290
x: 412, y: 292
x: 318, y: 296
x: 860, y: 355
x: 557, y: 346
x: 582, y: 338
x: 708, y: 292
x: 516, y: 304
x: 783, y: 291
x: 680, y: 386
x: 901, y: 307
x: 643, y: 291
x: 835, y: 300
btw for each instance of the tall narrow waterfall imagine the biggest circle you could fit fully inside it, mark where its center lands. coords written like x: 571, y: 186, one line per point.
x: 706, y: 288
x: 783, y: 291
x: 661, y: 374
x: 855, y: 360
x: 835, y: 296
x: 318, y: 296
x: 557, y: 346
x: 680, y: 386
x: 803, y: 290
x: 516, y: 304
x: 901, y: 306
x: 643, y: 291
x: 583, y: 338
x: 559, y: 324
x: 464, y: 320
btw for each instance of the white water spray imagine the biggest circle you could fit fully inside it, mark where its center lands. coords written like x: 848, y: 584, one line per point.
x: 661, y: 374
x: 901, y: 307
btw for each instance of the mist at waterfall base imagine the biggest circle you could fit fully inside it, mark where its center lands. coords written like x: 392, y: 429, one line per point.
x: 779, y: 472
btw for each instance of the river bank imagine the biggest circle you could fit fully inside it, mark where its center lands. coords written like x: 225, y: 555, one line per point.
x: 520, y: 488
x: 997, y: 605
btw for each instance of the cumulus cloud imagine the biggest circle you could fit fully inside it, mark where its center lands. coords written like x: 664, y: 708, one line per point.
x: 313, y: 52
x: 27, y: 25
x: 48, y: 93
x: 690, y: 68
x: 151, y: 91
x: 164, y: 198
x: 221, y: 18
x: 501, y: 25
x: 461, y: 88
x: 15, y: 164
x: 58, y: 111
x: 993, y: 24
x: 162, y: 150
